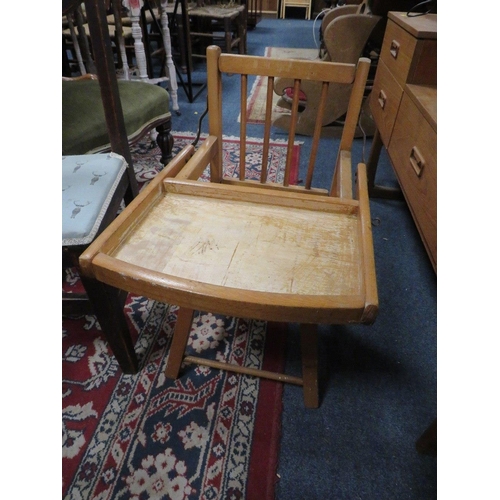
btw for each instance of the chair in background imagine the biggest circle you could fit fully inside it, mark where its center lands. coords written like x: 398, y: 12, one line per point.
x: 344, y: 37
x: 305, y: 4
x: 109, y: 104
x: 331, y: 14
x: 75, y: 38
x: 254, y: 249
x: 145, y: 107
x: 225, y: 22
x: 128, y: 33
x: 93, y: 188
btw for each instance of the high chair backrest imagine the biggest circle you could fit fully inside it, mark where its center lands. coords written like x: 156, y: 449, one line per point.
x: 299, y: 70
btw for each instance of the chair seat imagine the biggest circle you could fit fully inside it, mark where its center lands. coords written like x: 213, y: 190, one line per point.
x: 83, y: 123
x: 216, y: 12
x: 89, y: 183
x: 287, y: 261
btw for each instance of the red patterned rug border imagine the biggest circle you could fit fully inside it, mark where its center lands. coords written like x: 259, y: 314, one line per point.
x: 262, y: 474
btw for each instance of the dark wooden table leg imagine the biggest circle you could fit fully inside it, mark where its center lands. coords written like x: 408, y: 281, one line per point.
x: 107, y: 303
x: 309, y: 347
x: 375, y: 191
x: 227, y: 34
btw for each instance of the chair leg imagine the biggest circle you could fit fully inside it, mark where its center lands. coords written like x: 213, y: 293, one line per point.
x: 309, y: 347
x: 179, y: 342
x: 108, y: 308
x: 165, y: 141
x: 227, y: 33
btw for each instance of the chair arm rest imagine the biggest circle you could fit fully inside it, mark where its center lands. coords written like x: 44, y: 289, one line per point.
x: 200, y: 160
x: 365, y: 225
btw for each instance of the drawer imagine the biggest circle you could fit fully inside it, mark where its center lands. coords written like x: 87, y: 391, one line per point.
x: 409, y: 59
x: 413, y: 153
x: 397, y: 51
x: 384, y: 101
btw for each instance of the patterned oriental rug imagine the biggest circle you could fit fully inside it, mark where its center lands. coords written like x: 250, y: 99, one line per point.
x: 257, y: 100
x: 208, y: 435
x: 231, y: 157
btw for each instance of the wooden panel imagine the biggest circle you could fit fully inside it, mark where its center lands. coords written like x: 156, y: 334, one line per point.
x: 270, y: 6
x: 384, y: 101
x: 424, y: 64
x: 425, y: 98
x: 413, y: 152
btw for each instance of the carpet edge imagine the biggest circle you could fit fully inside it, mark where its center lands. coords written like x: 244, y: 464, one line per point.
x: 262, y: 475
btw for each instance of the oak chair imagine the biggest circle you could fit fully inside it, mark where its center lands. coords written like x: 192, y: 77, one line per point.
x: 244, y: 248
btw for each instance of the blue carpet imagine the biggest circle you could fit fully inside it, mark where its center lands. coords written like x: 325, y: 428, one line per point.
x: 377, y: 383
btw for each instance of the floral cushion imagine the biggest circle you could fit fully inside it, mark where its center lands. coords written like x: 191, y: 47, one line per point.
x: 88, y: 185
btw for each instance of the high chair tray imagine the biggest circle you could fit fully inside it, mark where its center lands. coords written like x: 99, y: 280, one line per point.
x: 244, y: 251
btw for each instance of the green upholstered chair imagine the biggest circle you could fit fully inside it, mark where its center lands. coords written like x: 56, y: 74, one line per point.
x: 145, y: 107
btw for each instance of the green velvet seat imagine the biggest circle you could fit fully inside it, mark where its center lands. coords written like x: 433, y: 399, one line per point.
x: 145, y: 107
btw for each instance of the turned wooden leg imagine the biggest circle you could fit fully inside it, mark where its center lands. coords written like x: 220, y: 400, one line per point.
x: 107, y: 303
x: 165, y: 141
x: 179, y: 342
x: 309, y: 346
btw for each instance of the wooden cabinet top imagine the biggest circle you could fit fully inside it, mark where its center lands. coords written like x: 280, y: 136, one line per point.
x: 424, y: 26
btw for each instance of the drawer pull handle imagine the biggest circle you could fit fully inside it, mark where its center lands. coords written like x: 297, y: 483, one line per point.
x: 382, y: 98
x: 394, y: 49
x: 417, y: 161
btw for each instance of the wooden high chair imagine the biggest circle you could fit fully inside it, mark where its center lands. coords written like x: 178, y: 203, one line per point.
x: 254, y: 249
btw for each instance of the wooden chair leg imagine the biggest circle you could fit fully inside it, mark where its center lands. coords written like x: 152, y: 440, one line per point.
x: 179, y: 342
x: 227, y: 34
x: 165, y: 141
x: 108, y: 307
x: 309, y: 347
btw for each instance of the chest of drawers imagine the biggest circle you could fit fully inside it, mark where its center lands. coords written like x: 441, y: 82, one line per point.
x: 408, y: 55
x: 403, y: 105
